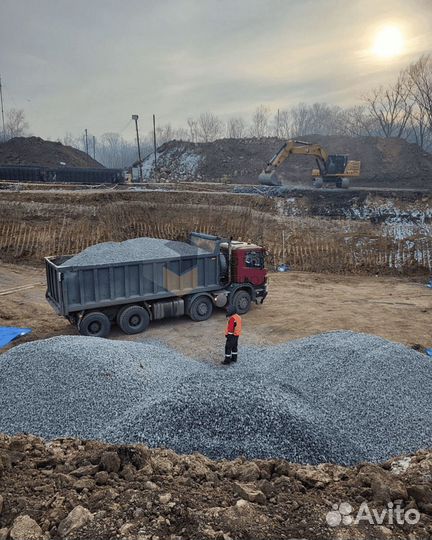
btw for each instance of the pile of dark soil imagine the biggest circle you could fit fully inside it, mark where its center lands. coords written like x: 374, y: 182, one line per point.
x: 36, y: 151
x: 389, y: 163
x: 81, y: 490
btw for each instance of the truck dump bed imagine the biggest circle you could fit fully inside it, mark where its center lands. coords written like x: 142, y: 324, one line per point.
x: 177, y: 269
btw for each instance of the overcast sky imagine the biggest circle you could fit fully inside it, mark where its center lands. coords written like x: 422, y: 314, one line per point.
x: 75, y: 64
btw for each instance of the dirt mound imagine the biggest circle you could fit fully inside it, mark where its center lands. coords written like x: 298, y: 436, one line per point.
x: 385, y: 162
x: 36, y: 151
x: 89, y: 490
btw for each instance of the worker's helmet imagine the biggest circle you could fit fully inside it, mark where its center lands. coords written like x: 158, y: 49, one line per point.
x: 230, y: 310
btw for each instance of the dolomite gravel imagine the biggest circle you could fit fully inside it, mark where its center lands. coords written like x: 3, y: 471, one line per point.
x: 136, y: 249
x: 339, y: 397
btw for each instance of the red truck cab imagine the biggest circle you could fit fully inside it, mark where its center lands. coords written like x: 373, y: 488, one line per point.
x: 248, y: 263
x: 246, y: 268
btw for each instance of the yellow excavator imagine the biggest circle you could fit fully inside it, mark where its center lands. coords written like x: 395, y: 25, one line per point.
x: 331, y: 168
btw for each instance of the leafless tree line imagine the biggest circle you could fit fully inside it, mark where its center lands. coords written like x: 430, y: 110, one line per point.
x: 15, y: 124
x: 402, y: 109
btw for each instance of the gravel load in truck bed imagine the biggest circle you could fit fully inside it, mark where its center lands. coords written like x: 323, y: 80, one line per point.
x: 136, y: 249
x: 340, y: 397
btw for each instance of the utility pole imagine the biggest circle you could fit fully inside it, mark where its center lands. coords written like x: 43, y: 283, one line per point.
x: 2, y: 111
x: 86, y: 141
x: 94, y: 147
x: 283, y: 246
x: 277, y: 129
x: 135, y: 117
x: 154, y: 143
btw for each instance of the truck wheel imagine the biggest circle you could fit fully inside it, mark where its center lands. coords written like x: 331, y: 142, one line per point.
x: 95, y: 324
x: 318, y: 183
x: 133, y: 319
x: 201, y: 309
x: 242, y: 302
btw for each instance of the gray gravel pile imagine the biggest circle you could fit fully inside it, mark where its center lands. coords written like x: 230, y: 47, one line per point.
x: 136, y: 249
x: 340, y: 397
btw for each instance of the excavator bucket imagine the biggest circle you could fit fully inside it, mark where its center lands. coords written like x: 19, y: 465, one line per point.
x: 269, y: 179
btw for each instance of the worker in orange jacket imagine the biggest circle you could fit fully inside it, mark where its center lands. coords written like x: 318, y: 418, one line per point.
x: 232, y: 333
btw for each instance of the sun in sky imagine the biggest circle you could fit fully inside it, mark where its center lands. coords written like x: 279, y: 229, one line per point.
x: 388, y: 43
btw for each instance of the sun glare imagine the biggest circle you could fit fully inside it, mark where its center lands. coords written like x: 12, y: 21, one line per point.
x: 389, y: 42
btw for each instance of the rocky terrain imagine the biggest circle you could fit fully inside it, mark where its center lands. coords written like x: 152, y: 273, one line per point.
x: 83, y: 489
x: 36, y: 151
x: 385, y: 162
x: 89, y: 490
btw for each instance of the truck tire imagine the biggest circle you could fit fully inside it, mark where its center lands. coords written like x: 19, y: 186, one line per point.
x: 133, y: 319
x: 318, y: 183
x: 201, y: 309
x: 95, y: 324
x: 242, y: 302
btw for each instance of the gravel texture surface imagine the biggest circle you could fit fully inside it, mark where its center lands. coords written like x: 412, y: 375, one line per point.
x: 136, y: 249
x: 339, y: 397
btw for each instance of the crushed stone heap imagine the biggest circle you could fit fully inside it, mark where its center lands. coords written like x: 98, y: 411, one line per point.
x: 340, y: 397
x: 136, y: 249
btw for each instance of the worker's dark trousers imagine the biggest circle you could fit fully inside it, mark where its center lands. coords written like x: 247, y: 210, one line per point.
x: 231, y: 348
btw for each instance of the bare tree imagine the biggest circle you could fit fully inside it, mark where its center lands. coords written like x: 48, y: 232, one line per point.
x: 181, y: 134
x: 283, y: 125
x: 326, y: 119
x: 419, y: 130
x: 209, y: 127
x: 236, y: 127
x: 391, y: 106
x: 300, y: 120
x: 260, y: 122
x: 193, y: 129
x: 164, y: 134
x: 114, y: 151
x: 420, y: 75
x: 16, y: 125
x: 357, y: 122
x: 70, y: 140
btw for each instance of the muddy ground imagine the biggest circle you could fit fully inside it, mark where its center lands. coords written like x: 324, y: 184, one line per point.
x: 93, y: 491
x: 299, y: 304
x: 84, y: 490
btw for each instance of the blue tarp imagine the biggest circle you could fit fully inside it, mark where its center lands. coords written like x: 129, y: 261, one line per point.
x: 9, y: 333
x: 428, y: 352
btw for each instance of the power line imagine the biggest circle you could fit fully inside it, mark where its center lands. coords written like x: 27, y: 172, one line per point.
x: 126, y: 126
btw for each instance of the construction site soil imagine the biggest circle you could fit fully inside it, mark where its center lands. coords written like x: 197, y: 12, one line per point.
x: 86, y: 490
x: 385, y: 162
x: 90, y: 490
x: 131, y: 492
x: 338, y: 231
x: 299, y: 304
x: 36, y: 151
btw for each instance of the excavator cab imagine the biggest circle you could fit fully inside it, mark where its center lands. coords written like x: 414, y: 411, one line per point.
x: 336, y: 163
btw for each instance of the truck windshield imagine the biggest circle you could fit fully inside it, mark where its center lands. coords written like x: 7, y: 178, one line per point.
x: 254, y: 259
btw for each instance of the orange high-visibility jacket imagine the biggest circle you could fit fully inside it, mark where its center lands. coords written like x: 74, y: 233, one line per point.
x: 234, y: 326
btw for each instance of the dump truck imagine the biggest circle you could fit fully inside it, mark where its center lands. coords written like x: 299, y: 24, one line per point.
x: 207, y: 272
